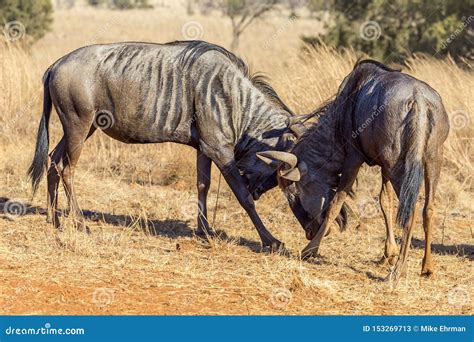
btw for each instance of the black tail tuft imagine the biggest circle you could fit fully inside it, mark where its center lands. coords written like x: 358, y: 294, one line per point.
x: 342, y: 219
x: 409, y: 192
x: 40, y: 160
x: 414, y: 141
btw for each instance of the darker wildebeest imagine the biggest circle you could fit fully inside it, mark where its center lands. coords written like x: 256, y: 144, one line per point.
x: 192, y: 93
x: 381, y: 117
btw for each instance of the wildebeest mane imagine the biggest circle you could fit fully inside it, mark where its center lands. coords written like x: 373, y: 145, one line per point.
x: 342, y: 104
x: 376, y: 63
x: 196, y: 48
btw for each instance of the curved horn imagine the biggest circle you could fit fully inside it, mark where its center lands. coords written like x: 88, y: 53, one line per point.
x: 295, y: 123
x: 298, y: 129
x: 292, y: 174
x: 269, y: 156
x: 298, y: 119
x: 293, y: 120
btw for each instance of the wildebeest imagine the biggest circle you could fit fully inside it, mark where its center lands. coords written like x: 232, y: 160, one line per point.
x: 192, y: 93
x: 379, y: 116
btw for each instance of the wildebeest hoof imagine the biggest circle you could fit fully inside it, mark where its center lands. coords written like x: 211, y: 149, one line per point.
x: 306, y: 255
x: 427, y: 272
x: 328, y: 231
x: 275, y: 247
x: 309, y: 251
x: 394, y: 276
x: 205, y: 233
x: 388, y: 260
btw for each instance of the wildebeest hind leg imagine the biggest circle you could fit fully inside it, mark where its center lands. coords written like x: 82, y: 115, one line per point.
x: 75, y: 138
x: 387, y: 205
x: 432, y: 171
x: 405, y: 247
x: 55, y: 168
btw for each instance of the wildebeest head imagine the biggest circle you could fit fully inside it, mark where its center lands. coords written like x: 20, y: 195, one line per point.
x: 259, y: 175
x: 308, y: 193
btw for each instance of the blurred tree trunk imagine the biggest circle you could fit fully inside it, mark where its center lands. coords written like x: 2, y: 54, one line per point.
x: 242, y: 13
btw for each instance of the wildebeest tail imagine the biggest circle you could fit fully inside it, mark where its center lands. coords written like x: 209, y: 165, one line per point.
x: 414, y: 141
x: 40, y: 160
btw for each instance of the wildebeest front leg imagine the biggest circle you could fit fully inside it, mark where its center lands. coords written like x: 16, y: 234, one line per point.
x: 203, y: 167
x: 387, y: 205
x: 239, y: 188
x: 348, y: 176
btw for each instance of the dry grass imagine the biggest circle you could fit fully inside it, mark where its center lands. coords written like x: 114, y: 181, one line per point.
x: 142, y: 198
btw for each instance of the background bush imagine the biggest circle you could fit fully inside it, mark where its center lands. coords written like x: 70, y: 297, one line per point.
x: 435, y: 27
x: 121, y: 4
x: 35, y: 15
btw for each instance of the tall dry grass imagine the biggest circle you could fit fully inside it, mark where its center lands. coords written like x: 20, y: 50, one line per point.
x: 154, y: 185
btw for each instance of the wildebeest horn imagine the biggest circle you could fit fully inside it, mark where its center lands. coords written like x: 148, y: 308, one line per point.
x: 295, y: 123
x: 292, y: 174
x: 270, y: 156
x: 298, y: 119
x: 293, y: 120
x: 298, y: 129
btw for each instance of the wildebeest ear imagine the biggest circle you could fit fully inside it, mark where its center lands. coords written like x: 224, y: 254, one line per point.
x: 303, y: 167
x: 274, y: 158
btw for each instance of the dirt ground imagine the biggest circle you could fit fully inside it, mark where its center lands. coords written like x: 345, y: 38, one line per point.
x: 126, y: 267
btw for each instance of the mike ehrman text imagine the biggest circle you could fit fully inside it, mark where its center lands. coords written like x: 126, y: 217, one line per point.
x: 441, y: 328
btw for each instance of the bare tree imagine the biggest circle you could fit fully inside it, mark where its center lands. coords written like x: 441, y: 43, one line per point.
x: 242, y: 13
x: 294, y: 5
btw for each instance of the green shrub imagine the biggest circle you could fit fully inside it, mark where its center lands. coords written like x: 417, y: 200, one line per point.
x: 121, y: 4
x: 392, y: 30
x: 25, y: 20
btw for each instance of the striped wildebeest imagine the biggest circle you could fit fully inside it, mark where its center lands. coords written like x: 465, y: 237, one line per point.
x: 381, y: 117
x: 192, y: 93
